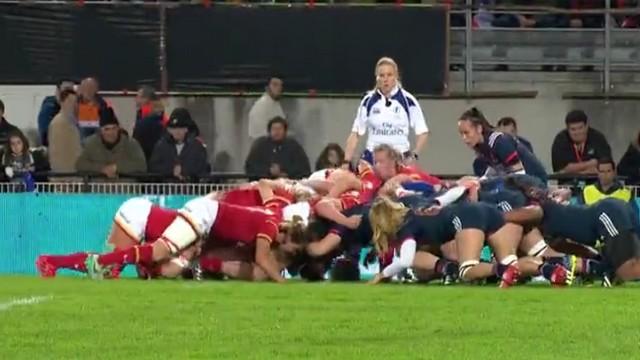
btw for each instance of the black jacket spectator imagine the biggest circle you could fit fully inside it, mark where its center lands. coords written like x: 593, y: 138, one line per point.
x: 188, y: 121
x: 179, y: 153
x: 5, y: 128
x: 148, y: 132
x: 629, y: 165
x: 277, y: 155
x: 563, y: 151
x: 579, y: 146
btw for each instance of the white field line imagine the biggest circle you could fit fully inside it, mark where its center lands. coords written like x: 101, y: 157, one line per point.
x: 32, y: 300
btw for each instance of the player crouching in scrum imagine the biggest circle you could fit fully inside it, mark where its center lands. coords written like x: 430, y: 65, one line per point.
x: 215, y: 222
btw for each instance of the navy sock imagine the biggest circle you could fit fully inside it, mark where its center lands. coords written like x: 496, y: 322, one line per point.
x: 546, y: 270
x: 558, y: 260
x: 500, y: 269
x: 446, y: 267
x: 594, y: 267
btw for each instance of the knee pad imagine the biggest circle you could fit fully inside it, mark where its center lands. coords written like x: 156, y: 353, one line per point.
x: 179, y: 235
x: 465, y: 267
x: 538, y: 249
x: 508, y: 260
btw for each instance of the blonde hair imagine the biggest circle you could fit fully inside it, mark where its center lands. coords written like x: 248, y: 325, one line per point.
x: 393, y: 154
x: 295, y: 229
x: 386, y: 217
x: 385, y: 60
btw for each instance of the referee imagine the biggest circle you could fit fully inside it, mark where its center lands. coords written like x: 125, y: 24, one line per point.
x: 386, y: 114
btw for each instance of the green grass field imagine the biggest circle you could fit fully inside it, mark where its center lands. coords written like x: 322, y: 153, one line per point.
x: 75, y: 318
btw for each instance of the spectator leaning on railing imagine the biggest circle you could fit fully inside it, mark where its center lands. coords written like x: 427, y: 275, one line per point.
x: 179, y: 154
x: 64, y: 136
x: 111, y: 151
x: 276, y: 155
x: 576, y: 149
x: 51, y: 107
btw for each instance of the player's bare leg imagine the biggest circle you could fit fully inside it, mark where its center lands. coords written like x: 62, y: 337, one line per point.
x: 469, y: 244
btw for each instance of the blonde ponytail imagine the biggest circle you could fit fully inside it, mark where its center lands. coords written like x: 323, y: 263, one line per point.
x: 386, y: 217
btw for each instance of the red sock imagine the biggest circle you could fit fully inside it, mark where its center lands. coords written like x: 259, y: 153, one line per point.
x: 211, y: 264
x: 71, y: 261
x: 140, y: 254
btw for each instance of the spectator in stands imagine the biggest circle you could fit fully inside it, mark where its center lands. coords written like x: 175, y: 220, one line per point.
x: 149, y: 128
x: 266, y: 108
x: 145, y: 98
x: 63, y: 134
x: 90, y: 105
x: 576, y: 149
x: 332, y: 156
x: 5, y: 127
x: 509, y: 126
x: 508, y: 20
x: 179, y: 153
x: 186, y: 116
x: 629, y: 165
x: 628, y: 21
x: 111, y: 151
x: 51, y: 107
x: 574, y: 19
x: 581, y: 20
x: 607, y: 186
x: 276, y: 155
x: 17, y: 159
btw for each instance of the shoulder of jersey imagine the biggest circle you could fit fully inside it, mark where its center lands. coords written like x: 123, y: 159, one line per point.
x: 367, y: 96
x: 409, y: 97
x: 494, y: 137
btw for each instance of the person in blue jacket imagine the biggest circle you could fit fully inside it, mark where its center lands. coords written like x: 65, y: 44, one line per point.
x: 50, y: 107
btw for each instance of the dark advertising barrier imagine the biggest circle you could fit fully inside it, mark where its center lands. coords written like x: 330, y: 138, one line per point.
x: 42, y: 43
x: 329, y: 49
x: 223, y: 48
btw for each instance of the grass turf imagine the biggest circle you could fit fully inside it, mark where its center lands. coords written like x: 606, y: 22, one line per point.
x: 224, y: 320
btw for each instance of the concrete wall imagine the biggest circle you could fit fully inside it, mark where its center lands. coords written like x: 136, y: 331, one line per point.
x: 316, y: 122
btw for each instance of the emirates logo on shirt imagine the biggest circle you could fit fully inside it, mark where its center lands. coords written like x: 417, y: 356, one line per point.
x: 387, y: 129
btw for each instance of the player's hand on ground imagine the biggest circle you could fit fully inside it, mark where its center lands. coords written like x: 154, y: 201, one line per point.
x: 376, y: 279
